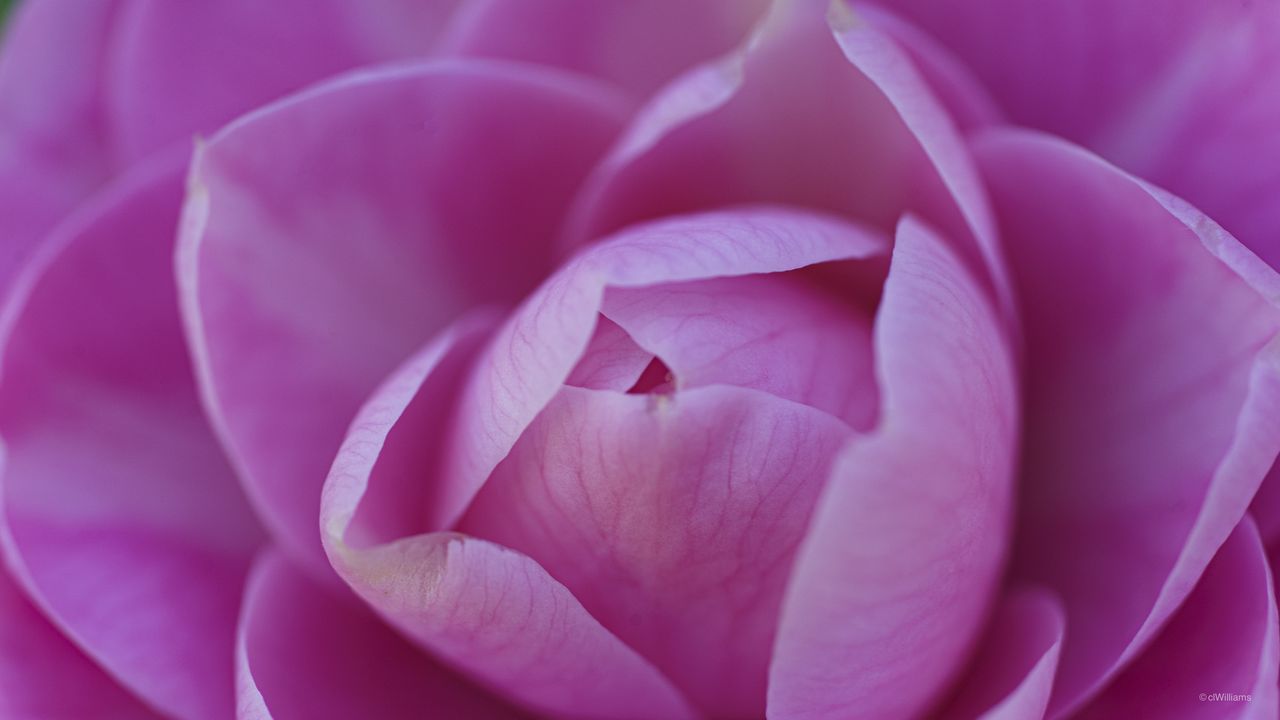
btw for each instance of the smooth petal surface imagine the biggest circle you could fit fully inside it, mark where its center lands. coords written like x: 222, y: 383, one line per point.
x: 485, y: 609
x: 533, y: 354
x: 1011, y: 676
x: 860, y: 137
x: 892, y: 584
x: 1223, y: 640
x: 184, y: 68
x: 50, y: 158
x: 1181, y: 95
x: 635, y: 45
x: 38, y: 664
x: 773, y: 333
x: 673, y: 518
x: 123, y: 519
x: 329, y: 235
x: 307, y: 653
x: 1153, y: 410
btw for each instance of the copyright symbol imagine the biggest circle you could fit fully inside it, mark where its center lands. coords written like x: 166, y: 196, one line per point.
x: 1203, y: 697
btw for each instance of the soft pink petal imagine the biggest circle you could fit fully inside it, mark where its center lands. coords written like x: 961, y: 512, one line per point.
x: 533, y: 354
x: 328, y: 235
x: 123, y: 519
x: 184, y: 68
x: 307, y: 653
x: 768, y: 332
x: 859, y: 135
x: 1153, y: 411
x: 635, y: 45
x: 1222, y: 640
x: 485, y: 609
x: 1011, y: 676
x: 673, y: 518
x: 1182, y: 95
x: 50, y: 157
x: 893, y: 582
x: 612, y: 360
x: 38, y: 665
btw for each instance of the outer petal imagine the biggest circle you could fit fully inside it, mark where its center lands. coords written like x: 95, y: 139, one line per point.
x: 1011, y: 676
x: 184, y: 68
x: 1152, y: 410
x: 38, y: 665
x: 123, y: 519
x: 861, y: 136
x: 328, y: 235
x: 488, y: 610
x: 532, y: 355
x: 673, y: 519
x: 636, y: 45
x: 306, y: 653
x: 50, y: 157
x: 892, y: 583
x: 1181, y: 95
x: 1222, y: 641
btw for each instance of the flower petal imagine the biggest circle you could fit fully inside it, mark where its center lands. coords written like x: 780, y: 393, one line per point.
x: 1011, y: 676
x: 304, y: 652
x: 124, y: 521
x: 330, y: 234
x: 892, y: 584
x: 673, y: 519
x: 1223, y: 640
x: 635, y: 45
x: 183, y: 68
x: 1153, y: 410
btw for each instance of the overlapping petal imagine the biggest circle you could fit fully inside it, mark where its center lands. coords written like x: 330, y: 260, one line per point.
x: 1153, y: 397
x: 901, y: 564
x: 122, y: 518
x: 329, y: 235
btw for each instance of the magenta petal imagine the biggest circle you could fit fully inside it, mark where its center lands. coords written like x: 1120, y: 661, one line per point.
x: 894, y: 580
x: 124, y: 520
x: 636, y: 45
x: 44, y: 675
x: 673, y: 519
x: 1011, y: 676
x: 1223, y: 640
x: 1152, y: 405
x: 533, y: 354
x: 50, y: 157
x: 863, y: 139
x: 330, y: 234
x: 183, y: 68
x: 306, y: 653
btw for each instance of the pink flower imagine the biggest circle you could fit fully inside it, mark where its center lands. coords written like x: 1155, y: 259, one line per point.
x: 639, y: 359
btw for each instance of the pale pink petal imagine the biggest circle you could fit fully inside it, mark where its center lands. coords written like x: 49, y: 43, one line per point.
x: 123, y: 519
x: 1223, y: 640
x: 487, y: 610
x: 673, y: 518
x: 612, y: 360
x: 1011, y: 676
x: 635, y: 45
x: 533, y: 354
x: 902, y: 560
x: 1181, y: 95
x: 330, y: 234
x: 307, y: 653
x: 38, y: 665
x: 768, y: 332
x: 1153, y: 410
x: 860, y: 136
x: 50, y: 156
x: 182, y: 68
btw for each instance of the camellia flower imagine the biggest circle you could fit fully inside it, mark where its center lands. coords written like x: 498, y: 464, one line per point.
x: 639, y: 359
